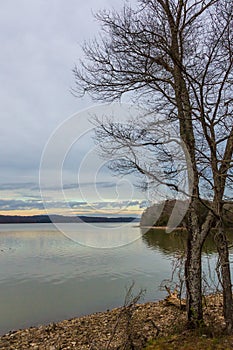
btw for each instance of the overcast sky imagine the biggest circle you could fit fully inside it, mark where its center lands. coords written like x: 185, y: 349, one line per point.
x: 40, y: 43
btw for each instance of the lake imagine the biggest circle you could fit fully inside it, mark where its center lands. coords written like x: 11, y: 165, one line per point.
x: 45, y: 276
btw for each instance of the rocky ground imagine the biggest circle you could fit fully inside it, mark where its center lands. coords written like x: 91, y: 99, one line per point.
x: 134, y: 326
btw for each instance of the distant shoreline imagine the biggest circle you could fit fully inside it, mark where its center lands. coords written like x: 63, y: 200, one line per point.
x: 47, y: 219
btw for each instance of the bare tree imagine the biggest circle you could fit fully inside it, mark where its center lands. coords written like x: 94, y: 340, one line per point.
x: 175, y: 57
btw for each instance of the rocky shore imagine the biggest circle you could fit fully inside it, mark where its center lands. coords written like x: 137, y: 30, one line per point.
x: 112, y: 329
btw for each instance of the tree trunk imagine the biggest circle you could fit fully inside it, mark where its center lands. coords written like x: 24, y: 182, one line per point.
x: 222, y: 246
x: 193, y: 272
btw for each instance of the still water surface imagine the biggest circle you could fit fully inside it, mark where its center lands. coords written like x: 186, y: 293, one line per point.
x: 47, y: 277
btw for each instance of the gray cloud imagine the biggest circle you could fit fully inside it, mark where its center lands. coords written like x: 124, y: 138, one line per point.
x: 19, y: 186
x: 40, y: 43
x: 29, y: 204
x: 145, y: 204
x: 100, y: 184
x: 75, y: 205
x: 6, y: 205
x: 114, y: 205
x: 33, y: 186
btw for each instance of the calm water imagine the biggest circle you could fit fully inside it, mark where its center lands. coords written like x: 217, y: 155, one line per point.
x: 47, y: 277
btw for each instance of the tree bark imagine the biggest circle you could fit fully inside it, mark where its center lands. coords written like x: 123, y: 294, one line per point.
x: 222, y: 246
x: 193, y: 272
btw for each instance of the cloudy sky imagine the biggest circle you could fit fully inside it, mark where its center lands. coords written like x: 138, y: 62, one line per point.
x: 40, y: 43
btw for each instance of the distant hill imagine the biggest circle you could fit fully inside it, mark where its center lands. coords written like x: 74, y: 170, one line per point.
x: 41, y: 219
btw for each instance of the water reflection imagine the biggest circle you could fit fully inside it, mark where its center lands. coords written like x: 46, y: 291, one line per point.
x: 47, y: 277
x: 175, y: 242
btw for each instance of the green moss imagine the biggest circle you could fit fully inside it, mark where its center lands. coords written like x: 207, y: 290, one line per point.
x: 191, y: 342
